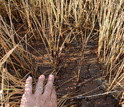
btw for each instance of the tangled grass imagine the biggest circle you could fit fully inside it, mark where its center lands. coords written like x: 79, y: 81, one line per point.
x: 56, y: 24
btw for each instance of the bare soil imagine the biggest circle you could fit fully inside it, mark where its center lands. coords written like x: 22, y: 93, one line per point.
x: 90, y: 86
x: 91, y: 80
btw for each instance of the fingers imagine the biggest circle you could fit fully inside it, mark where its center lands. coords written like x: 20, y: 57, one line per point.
x: 28, y: 91
x: 39, y: 86
x: 49, y: 91
x: 49, y: 86
x: 54, y: 96
x: 28, y: 86
x: 38, y: 98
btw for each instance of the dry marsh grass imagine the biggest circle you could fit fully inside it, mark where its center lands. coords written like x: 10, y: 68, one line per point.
x: 56, y: 24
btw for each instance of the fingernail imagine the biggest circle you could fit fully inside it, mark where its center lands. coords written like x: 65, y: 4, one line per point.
x: 51, y: 76
x: 42, y: 76
x: 29, y: 77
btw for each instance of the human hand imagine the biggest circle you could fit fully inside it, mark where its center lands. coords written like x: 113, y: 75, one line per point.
x: 40, y: 98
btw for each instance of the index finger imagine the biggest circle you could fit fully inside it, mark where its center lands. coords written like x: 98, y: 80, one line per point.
x: 28, y: 85
x: 49, y: 86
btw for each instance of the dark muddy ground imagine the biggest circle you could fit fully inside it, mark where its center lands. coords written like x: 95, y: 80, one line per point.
x: 91, y: 80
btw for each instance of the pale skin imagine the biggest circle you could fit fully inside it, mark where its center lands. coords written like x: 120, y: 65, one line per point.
x: 40, y: 98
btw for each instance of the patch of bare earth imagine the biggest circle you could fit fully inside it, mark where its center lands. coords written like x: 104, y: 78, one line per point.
x: 90, y: 87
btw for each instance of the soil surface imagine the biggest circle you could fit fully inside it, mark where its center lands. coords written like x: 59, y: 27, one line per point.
x: 89, y: 86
